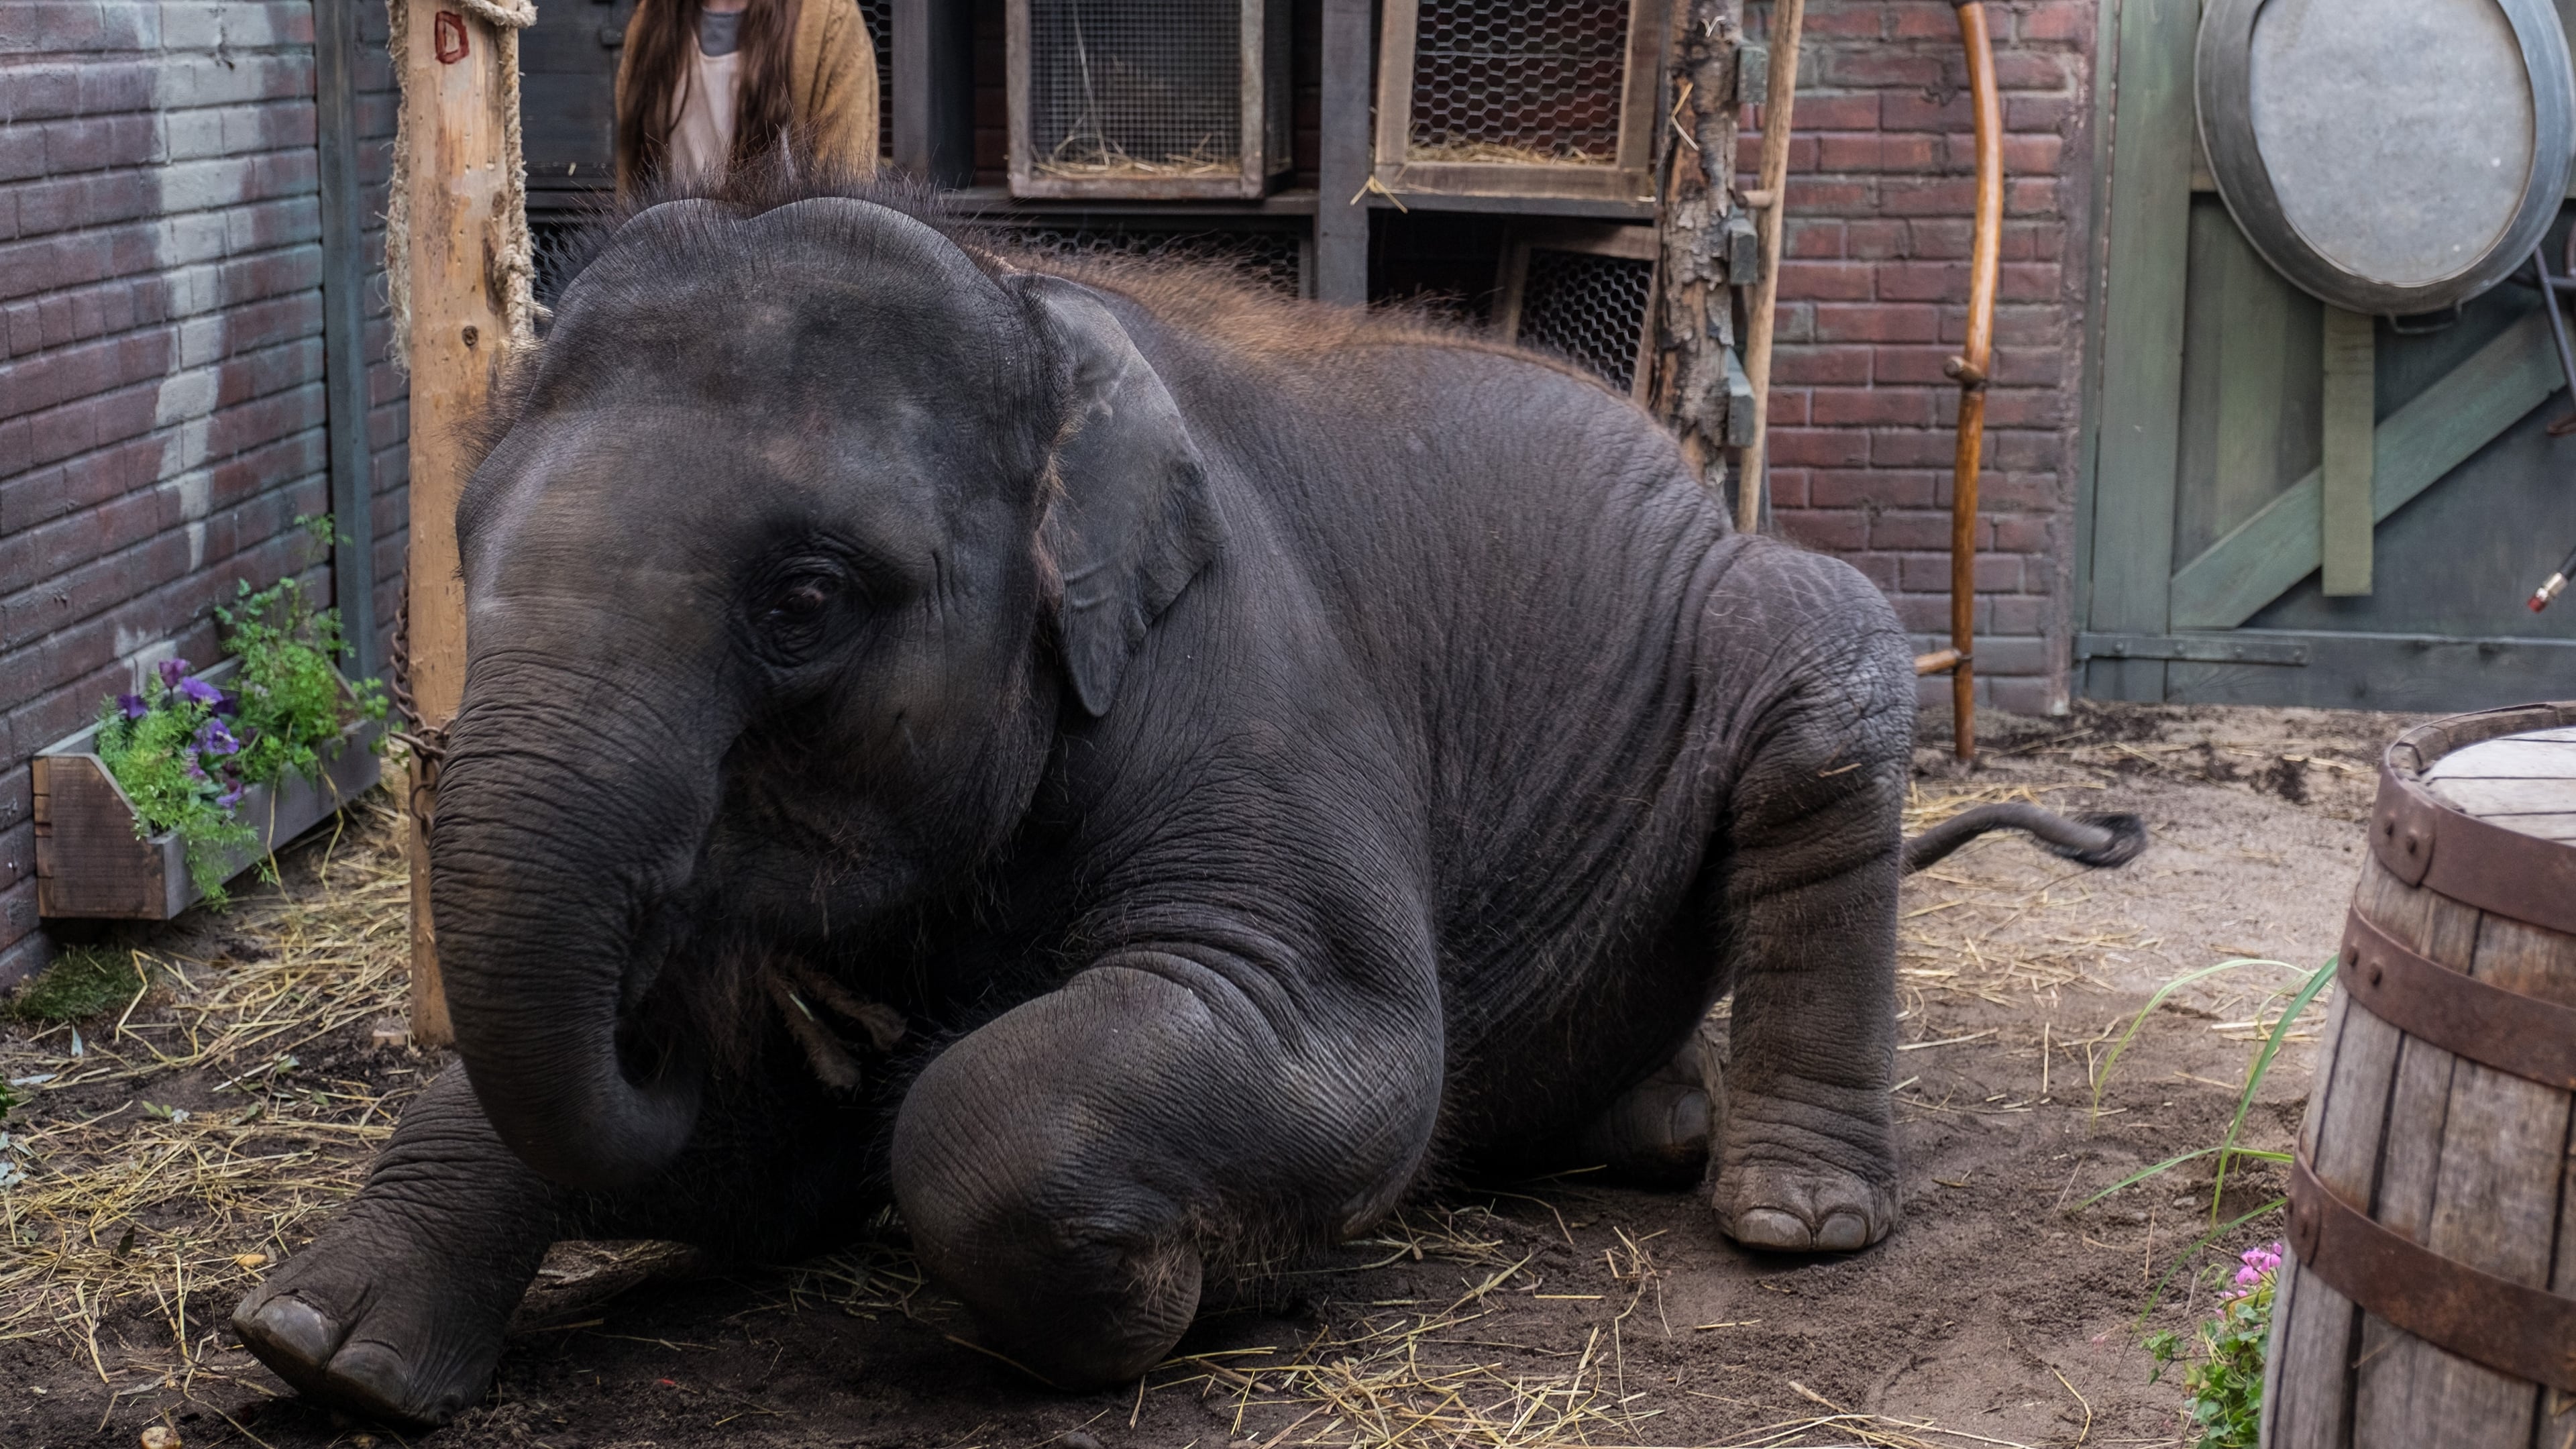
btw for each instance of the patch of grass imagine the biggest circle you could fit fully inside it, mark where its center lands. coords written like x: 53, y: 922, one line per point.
x: 83, y: 982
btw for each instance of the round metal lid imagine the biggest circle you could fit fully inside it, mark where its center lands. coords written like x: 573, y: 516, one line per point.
x: 2388, y: 156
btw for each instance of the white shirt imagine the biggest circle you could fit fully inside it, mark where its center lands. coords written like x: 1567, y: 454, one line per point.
x: 703, y: 114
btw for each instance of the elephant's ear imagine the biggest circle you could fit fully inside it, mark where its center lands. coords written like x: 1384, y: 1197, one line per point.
x: 1131, y: 523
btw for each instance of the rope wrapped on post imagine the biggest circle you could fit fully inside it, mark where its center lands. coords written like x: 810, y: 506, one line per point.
x: 513, y: 261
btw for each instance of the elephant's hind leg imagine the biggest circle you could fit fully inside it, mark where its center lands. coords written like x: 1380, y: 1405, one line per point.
x: 1805, y: 1158
x: 396, y: 1312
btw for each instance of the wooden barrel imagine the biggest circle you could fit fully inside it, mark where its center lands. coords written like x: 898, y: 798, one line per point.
x: 2429, y: 1294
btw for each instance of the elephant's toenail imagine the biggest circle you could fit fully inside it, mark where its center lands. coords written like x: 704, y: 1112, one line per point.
x: 294, y: 1328
x: 1843, y: 1233
x: 377, y: 1375
x: 1771, y: 1228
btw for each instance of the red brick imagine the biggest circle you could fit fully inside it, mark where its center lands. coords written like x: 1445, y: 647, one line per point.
x: 2070, y: 21
x: 1828, y: 281
x: 1830, y: 530
x: 1815, y: 364
x: 1872, y: 406
x: 1819, y: 447
x: 1881, y: 322
x: 1874, y: 487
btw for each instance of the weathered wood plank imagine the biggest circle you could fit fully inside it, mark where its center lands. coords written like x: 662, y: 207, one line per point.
x: 2411, y: 450
x: 2252, y: 322
x: 2315, y: 1346
x: 2143, y: 278
x: 2344, y: 476
x: 2405, y: 1391
x: 2491, y: 1202
x: 2513, y: 757
x: 2502, y: 799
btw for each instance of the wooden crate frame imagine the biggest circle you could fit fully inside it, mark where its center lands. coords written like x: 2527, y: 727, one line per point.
x: 1599, y: 239
x: 1267, y: 138
x: 1630, y: 176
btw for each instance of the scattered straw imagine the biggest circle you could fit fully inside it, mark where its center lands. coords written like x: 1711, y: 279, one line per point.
x: 164, y: 1213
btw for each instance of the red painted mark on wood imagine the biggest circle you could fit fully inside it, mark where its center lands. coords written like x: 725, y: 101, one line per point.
x: 448, y: 37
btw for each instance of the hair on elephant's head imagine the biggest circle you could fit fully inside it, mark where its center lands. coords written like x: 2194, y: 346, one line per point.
x: 790, y: 549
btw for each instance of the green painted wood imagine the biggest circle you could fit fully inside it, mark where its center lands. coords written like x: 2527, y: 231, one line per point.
x: 2411, y: 450
x: 2250, y: 381
x: 2144, y: 272
x: 2343, y: 535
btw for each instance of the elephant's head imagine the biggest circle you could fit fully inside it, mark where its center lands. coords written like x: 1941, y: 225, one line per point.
x: 799, y: 535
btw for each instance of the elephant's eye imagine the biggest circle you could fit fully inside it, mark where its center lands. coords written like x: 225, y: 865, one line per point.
x: 802, y: 599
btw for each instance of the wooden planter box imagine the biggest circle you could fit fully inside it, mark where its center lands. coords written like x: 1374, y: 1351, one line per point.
x: 90, y: 862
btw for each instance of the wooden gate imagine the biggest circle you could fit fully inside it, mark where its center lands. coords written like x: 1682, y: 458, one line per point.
x: 2285, y: 503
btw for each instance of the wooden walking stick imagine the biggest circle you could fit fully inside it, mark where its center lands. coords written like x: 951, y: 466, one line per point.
x: 1970, y: 367
x: 1770, y: 218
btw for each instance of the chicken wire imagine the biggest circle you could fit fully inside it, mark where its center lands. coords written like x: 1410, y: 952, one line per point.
x: 1273, y: 259
x: 879, y: 15
x: 1589, y: 310
x: 1128, y: 88
x: 1518, y: 81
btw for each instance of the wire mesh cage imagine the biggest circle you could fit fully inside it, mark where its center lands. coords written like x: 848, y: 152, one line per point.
x: 1147, y: 98
x: 1278, y: 259
x: 879, y: 15
x: 1585, y: 294
x: 1519, y: 97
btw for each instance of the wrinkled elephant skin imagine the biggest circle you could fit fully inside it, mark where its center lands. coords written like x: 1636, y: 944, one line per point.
x: 1135, y: 772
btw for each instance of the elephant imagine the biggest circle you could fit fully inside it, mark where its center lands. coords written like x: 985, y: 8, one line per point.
x: 1135, y: 774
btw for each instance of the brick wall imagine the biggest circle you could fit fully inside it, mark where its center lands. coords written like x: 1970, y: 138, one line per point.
x: 161, y: 406
x: 1873, y: 299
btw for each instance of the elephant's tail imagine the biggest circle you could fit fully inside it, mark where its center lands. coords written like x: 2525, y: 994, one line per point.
x: 2094, y: 840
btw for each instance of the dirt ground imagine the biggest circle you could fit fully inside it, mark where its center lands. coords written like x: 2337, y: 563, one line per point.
x: 186, y: 1139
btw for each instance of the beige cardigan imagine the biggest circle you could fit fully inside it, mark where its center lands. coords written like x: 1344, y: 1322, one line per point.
x: 832, y: 82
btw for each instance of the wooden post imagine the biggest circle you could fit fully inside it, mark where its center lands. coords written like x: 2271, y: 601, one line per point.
x: 457, y: 186
x: 1694, y: 304
x: 1788, y: 17
x: 2350, y: 398
x: 1341, y: 208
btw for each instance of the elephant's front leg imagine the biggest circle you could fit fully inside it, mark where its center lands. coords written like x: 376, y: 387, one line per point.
x: 396, y: 1312
x: 1069, y: 1169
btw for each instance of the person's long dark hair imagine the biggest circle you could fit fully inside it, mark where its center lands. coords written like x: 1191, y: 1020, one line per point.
x: 660, y: 41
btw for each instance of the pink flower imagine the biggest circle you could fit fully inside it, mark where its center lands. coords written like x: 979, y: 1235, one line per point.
x: 2255, y: 1266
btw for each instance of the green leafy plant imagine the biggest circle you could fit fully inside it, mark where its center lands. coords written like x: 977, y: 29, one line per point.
x: 2223, y: 1372
x: 80, y: 983
x: 185, y: 750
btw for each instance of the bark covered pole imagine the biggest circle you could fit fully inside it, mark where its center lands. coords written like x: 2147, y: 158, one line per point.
x: 1788, y: 18
x: 1694, y: 313
x: 457, y: 246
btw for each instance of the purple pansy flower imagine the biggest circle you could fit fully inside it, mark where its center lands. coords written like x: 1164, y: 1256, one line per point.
x: 133, y: 706
x: 231, y: 793
x: 214, y: 739
x: 172, y: 671
x: 198, y: 691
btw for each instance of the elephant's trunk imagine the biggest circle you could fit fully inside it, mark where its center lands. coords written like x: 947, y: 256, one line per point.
x: 555, y: 837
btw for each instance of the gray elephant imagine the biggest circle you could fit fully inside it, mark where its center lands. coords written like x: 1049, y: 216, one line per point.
x: 1134, y: 773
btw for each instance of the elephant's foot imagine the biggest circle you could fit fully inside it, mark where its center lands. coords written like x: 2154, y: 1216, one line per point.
x: 368, y: 1320
x: 1796, y: 1178
x: 1658, y: 1130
